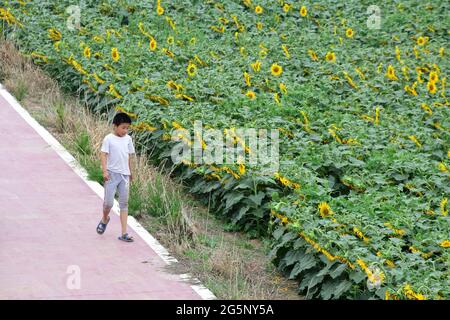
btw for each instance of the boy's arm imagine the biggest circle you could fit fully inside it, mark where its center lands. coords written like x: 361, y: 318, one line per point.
x: 131, y: 154
x: 130, y: 166
x: 103, y: 156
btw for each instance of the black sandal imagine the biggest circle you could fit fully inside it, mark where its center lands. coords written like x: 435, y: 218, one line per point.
x: 125, y: 237
x: 102, y: 226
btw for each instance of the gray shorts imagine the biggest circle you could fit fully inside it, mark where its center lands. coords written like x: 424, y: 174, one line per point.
x: 116, y: 181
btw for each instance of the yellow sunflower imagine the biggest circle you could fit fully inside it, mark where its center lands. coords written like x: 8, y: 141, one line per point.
x: 191, y: 69
x: 250, y: 94
x: 153, y: 44
x: 313, y: 55
x: 391, y: 73
x: 433, y: 76
x: 349, y: 33
x: 258, y: 10
x: 241, y: 168
x: 170, y: 40
x: 421, y: 41
x: 445, y: 244
x: 276, y: 70
x: 303, y: 11
x: 330, y: 57
x: 160, y: 10
x: 256, y: 66
x: 115, y: 54
x: 431, y: 86
x: 87, y: 52
x: 287, y: 7
x: 325, y: 210
x: 54, y: 34
x: 276, y: 97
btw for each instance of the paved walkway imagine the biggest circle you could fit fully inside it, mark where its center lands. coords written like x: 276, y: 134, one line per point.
x: 49, y: 248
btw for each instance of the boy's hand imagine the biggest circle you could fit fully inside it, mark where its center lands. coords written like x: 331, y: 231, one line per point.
x: 105, y: 175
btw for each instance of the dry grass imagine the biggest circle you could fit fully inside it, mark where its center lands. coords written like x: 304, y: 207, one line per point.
x: 229, y: 264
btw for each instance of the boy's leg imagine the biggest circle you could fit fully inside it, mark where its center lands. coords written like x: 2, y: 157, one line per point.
x: 110, y: 191
x: 123, y: 201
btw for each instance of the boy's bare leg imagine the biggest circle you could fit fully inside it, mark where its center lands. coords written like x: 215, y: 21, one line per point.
x: 123, y: 220
x: 105, y: 215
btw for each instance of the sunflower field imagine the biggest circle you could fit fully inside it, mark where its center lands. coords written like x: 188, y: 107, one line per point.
x: 359, y: 206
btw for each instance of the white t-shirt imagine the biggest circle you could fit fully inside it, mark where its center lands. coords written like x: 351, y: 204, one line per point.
x: 118, y: 149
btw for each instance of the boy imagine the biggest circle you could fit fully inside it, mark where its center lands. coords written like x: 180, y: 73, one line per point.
x: 116, y: 165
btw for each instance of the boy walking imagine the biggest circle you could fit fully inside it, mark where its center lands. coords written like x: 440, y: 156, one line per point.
x: 116, y: 165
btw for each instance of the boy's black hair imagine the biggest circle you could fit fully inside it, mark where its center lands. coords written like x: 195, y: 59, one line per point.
x: 121, y: 118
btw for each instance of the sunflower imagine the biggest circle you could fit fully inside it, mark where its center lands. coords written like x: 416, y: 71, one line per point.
x: 431, y: 86
x: 391, y: 73
x: 247, y: 79
x: 54, y: 34
x: 191, y: 69
x: 276, y: 97
x: 325, y: 210
x: 287, y: 7
x: 56, y: 45
x: 98, y: 39
x: 349, y: 33
x: 250, y: 94
x: 152, y: 44
x: 330, y: 57
x: 170, y: 40
x: 172, y: 85
x: 303, y: 11
x: 115, y: 54
x: 256, y: 66
x: 258, y: 10
x: 184, y: 97
x: 241, y: 168
x: 87, y: 52
x: 98, y: 79
x: 259, y: 26
x: 114, y: 92
x: 421, y: 41
x: 433, y: 76
x: 313, y: 55
x: 160, y: 10
x: 283, y: 88
x: 276, y: 70
x: 445, y: 244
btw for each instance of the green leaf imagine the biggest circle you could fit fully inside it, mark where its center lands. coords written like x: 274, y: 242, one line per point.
x: 338, y: 270
x: 257, y: 198
x: 357, y: 276
x: 341, y: 288
x: 240, y: 214
x: 307, y: 262
x: 310, y: 280
x: 232, y: 198
x: 293, y: 256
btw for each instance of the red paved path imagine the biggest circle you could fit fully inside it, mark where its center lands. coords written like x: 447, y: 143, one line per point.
x: 48, y: 219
